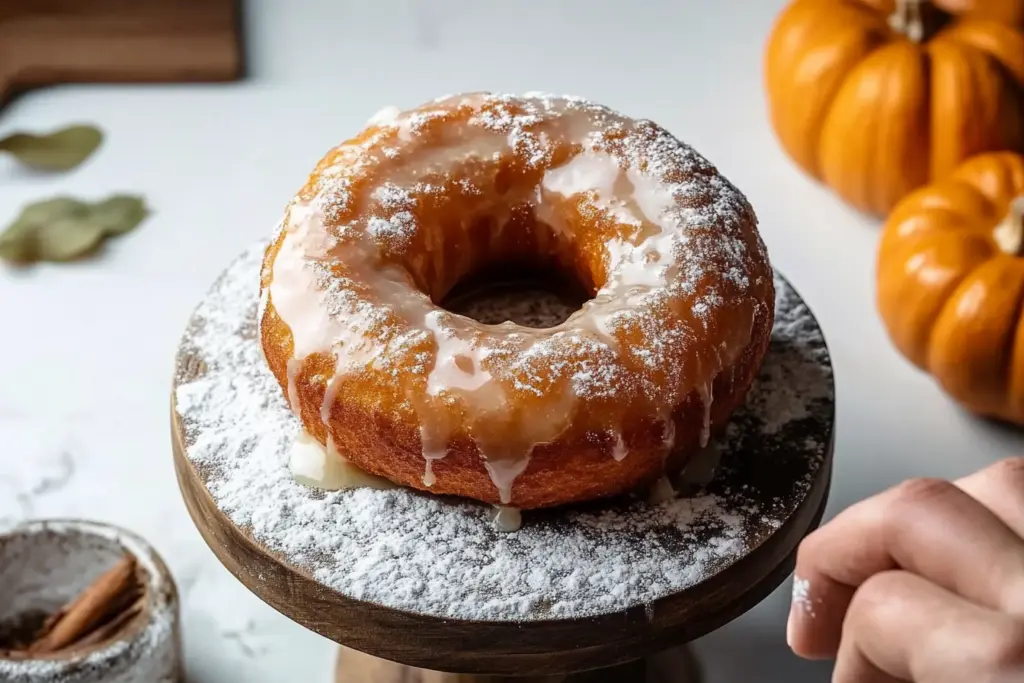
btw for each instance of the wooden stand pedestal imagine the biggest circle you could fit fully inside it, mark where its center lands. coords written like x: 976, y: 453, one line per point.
x: 672, y: 666
x: 623, y: 607
x: 568, y: 651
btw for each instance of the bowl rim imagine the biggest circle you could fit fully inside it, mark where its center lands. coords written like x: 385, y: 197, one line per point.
x: 161, y: 608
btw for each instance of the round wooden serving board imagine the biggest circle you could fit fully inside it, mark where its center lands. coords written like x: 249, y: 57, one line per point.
x: 772, y: 481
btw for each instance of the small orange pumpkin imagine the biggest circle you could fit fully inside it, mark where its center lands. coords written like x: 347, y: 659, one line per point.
x: 951, y: 283
x: 875, y: 98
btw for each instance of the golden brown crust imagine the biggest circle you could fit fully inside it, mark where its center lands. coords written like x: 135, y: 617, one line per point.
x: 372, y: 420
x: 560, y: 472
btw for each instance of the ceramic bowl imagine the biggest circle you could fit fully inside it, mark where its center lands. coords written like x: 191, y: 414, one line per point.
x: 44, y: 565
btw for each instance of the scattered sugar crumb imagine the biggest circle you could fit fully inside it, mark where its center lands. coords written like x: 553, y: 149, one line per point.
x: 802, y: 595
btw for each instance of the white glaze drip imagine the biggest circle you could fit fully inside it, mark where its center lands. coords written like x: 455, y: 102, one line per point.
x: 619, y: 450
x: 295, y: 290
x: 504, y: 472
x: 594, y: 319
x: 592, y: 172
x: 645, y: 264
x: 701, y: 469
x: 343, y: 314
x: 706, y: 392
x: 661, y: 491
x: 668, y: 439
x: 316, y: 467
x: 458, y: 365
x: 507, y: 518
x: 434, y: 448
x: 332, y: 448
x: 330, y: 394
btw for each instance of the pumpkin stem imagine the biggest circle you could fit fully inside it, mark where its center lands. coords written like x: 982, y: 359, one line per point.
x: 908, y: 19
x: 1009, y: 234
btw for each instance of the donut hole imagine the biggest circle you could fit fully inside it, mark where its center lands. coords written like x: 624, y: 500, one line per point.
x: 525, y: 294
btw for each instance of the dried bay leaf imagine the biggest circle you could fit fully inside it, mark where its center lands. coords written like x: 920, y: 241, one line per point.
x: 119, y: 213
x: 67, y: 239
x: 63, y: 228
x: 52, y: 209
x: 16, y: 243
x: 61, y: 150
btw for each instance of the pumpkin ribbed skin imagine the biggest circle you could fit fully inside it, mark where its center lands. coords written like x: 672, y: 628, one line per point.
x: 866, y: 105
x: 950, y: 278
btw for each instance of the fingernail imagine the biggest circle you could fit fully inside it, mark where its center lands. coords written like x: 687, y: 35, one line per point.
x: 790, y: 627
x: 799, y: 609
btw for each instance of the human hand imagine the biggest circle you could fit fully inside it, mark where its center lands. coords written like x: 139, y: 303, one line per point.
x: 922, y: 583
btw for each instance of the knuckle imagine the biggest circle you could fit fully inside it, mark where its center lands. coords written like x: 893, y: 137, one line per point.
x: 880, y: 587
x: 807, y: 549
x: 1004, y: 653
x: 921, y: 489
x: 874, y: 596
x: 812, y: 548
x: 1007, y: 471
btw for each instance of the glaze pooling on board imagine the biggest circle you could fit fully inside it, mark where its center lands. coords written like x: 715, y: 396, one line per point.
x: 325, y: 468
x: 401, y: 549
x: 356, y: 240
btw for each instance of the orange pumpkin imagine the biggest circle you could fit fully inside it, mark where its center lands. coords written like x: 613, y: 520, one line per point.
x: 876, y: 98
x: 951, y: 283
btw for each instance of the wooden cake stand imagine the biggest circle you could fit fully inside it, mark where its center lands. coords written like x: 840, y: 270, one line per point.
x: 682, y: 568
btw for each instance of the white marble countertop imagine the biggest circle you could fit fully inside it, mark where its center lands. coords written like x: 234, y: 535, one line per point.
x: 87, y: 349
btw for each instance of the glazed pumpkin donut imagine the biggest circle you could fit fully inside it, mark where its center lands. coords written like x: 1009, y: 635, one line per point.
x: 629, y: 386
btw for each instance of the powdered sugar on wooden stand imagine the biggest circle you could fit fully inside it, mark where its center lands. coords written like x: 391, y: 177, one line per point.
x: 443, y: 557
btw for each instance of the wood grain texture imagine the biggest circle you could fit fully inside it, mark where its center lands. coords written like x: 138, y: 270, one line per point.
x: 554, y: 646
x: 674, y: 666
x: 46, y: 42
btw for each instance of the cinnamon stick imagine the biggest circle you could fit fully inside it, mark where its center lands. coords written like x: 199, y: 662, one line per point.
x: 114, y: 626
x: 103, y: 601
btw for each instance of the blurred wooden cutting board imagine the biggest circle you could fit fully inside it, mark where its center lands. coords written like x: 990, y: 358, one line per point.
x: 45, y: 42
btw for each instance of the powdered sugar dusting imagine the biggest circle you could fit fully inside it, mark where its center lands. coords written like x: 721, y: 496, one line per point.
x: 793, y: 388
x: 431, y: 555
x: 802, y: 596
x: 424, y: 196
